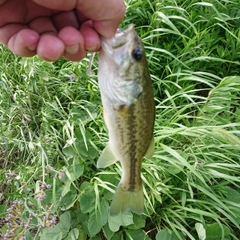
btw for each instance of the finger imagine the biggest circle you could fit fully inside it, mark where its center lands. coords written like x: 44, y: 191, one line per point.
x: 64, y: 19
x: 57, y: 4
x: 91, y: 37
x: 106, y: 14
x: 43, y: 25
x: 19, y: 39
x: 50, y: 47
x: 74, y: 43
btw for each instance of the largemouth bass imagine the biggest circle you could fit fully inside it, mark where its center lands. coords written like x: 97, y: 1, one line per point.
x: 129, y: 112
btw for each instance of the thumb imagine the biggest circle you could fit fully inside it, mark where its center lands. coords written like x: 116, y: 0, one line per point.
x: 106, y: 15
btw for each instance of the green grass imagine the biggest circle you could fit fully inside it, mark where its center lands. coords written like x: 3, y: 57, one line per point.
x: 52, y: 132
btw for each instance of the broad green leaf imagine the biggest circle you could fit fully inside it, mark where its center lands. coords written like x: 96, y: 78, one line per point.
x: 96, y: 238
x: 70, y: 151
x: 69, y: 199
x: 98, y: 218
x: 135, y: 234
x: 28, y: 234
x: 122, y: 219
x: 87, y: 197
x: 73, y: 234
x: 82, y: 235
x: 66, y: 187
x: 166, y: 235
x: 53, y: 234
x: 64, y: 221
x: 175, y: 170
x: 139, y: 222
x: 92, y: 152
x: 232, y: 195
x: 81, y: 148
x: 75, y: 171
x: 107, y: 232
x: 83, y: 218
x: 215, y: 231
x: 200, y: 231
x: 118, y: 236
x: 84, y: 147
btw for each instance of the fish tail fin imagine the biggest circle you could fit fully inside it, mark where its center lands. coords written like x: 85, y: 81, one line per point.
x: 125, y: 199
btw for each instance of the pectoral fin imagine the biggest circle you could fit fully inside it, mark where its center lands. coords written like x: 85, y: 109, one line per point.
x: 150, y: 150
x: 106, y: 158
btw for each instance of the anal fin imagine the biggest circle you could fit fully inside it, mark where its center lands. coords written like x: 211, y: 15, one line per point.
x: 150, y: 150
x: 106, y: 158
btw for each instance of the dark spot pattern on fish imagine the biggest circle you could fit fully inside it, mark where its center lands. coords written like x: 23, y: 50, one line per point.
x: 132, y: 149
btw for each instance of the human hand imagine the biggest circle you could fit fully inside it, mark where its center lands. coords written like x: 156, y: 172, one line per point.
x: 56, y: 28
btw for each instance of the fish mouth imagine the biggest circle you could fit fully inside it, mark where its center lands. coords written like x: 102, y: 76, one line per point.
x: 121, y: 37
x: 121, y: 32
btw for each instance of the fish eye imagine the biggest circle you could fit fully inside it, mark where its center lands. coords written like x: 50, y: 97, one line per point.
x: 137, y: 54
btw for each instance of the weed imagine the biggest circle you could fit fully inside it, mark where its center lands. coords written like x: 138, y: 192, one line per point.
x: 52, y: 132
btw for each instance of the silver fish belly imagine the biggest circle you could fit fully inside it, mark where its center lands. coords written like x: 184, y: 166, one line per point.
x: 129, y: 112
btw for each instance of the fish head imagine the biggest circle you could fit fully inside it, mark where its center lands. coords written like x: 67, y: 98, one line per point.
x: 122, y: 63
x: 126, y: 52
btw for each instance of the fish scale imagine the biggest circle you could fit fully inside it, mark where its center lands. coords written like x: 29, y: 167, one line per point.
x: 129, y: 112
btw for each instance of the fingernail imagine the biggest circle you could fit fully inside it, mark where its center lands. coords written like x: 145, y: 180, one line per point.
x: 32, y: 48
x: 92, y: 49
x: 72, y: 49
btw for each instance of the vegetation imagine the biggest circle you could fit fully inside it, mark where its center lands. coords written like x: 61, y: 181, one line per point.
x: 52, y: 132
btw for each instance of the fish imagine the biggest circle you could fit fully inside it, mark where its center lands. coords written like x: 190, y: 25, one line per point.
x: 129, y: 113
